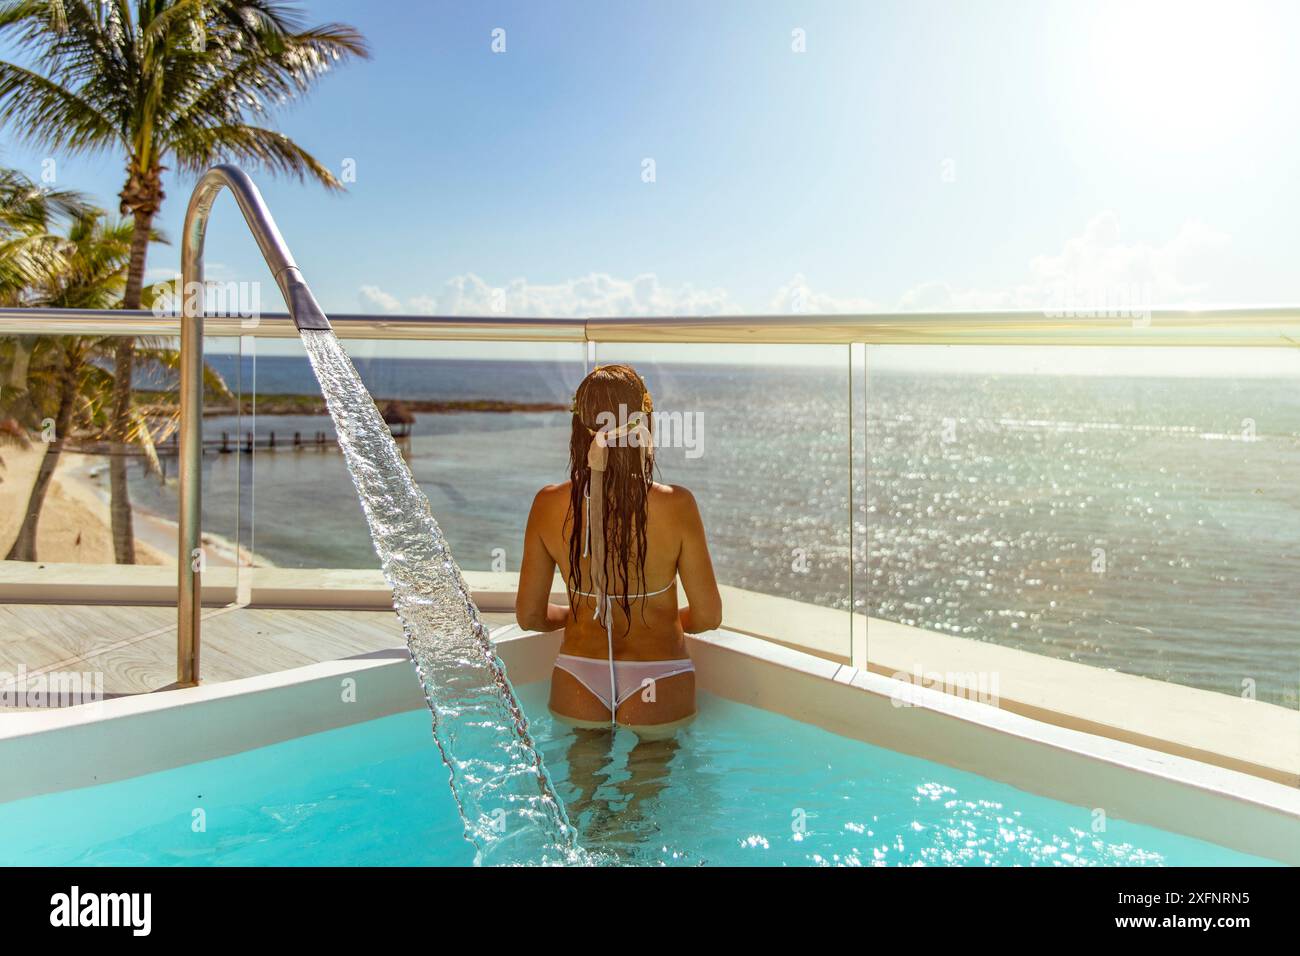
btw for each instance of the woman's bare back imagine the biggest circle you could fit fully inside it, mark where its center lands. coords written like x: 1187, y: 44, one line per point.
x: 676, y: 550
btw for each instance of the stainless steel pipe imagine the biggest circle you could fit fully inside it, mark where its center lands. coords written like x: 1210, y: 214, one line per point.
x: 306, y: 314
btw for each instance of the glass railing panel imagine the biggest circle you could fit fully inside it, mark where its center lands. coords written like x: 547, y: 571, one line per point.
x: 760, y: 436
x: 88, y: 513
x: 483, y: 426
x: 74, y: 516
x: 49, y: 512
x: 155, y: 496
x: 1132, y: 510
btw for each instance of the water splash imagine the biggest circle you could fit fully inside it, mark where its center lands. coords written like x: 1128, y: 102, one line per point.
x: 505, y: 797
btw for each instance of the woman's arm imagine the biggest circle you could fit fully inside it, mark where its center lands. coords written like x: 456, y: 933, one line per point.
x: 703, y: 611
x: 533, y: 609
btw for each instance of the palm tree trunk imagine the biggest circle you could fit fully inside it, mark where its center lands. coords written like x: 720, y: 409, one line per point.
x: 21, y: 362
x: 24, y: 546
x: 143, y: 226
x: 123, y: 362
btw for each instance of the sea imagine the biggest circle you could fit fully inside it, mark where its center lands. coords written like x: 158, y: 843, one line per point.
x: 1145, y: 524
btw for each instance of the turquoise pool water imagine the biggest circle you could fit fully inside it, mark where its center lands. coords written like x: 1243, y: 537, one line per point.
x: 739, y: 786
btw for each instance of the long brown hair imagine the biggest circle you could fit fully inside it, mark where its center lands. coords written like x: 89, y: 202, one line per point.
x: 610, y: 392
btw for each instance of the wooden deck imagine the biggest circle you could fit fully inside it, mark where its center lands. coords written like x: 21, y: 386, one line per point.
x: 135, y: 647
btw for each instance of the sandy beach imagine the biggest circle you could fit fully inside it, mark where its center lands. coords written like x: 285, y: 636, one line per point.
x: 74, y: 525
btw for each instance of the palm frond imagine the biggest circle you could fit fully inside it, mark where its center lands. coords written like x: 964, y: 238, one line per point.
x: 200, y: 147
x: 157, y: 76
x: 48, y: 114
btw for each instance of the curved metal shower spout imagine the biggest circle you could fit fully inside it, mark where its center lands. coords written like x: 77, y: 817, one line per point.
x: 306, y: 314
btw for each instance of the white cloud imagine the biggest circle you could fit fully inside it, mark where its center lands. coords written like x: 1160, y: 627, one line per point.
x: 372, y: 295
x: 1094, y: 269
x: 1099, y: 258
x: 796, y: 297
x: 596, y: 294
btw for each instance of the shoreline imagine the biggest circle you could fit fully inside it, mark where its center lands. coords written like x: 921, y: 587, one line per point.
x: 75, y: 524
x: 156, y: 532
x: 308, y: 404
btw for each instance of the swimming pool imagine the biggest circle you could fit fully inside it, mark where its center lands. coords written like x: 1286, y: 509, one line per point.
x: 740, y: 786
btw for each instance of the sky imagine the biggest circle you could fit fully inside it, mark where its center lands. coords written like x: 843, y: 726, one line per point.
x: 625, y: 158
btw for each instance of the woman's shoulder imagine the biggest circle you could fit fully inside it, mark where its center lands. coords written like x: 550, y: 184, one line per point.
x: 553, y: 493
x: 674, y: 496
x: 550, y: 505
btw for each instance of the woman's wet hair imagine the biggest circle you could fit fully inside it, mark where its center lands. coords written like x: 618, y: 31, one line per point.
x: 604, y: 401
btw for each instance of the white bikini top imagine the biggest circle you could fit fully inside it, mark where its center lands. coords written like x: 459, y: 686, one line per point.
x: 619, y: 597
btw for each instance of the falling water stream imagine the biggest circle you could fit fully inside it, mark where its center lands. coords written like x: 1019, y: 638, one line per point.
x: 506, y: 800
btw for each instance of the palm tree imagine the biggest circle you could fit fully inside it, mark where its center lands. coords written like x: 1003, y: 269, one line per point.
x: 28, y: 213
x: 159, y: 81
x: 61, y: 375
x: 29, y: 249
x: 67, y: 377
x: 87, y: 271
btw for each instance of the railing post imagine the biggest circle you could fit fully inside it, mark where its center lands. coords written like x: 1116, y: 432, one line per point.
x: 189, y: 557
x: 189, y: 552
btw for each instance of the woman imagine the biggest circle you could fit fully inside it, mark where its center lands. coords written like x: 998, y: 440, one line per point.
x: 621, y: 541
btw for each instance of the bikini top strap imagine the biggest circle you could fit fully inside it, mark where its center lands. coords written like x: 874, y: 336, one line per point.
x: 643, y: 594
